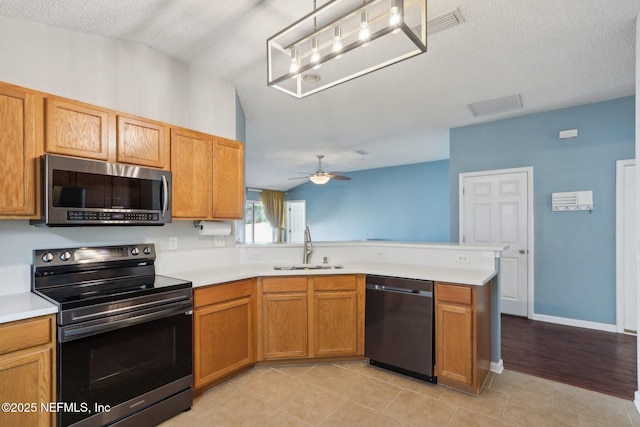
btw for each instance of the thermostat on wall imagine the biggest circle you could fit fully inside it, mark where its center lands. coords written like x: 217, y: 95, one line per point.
x: 572, y: 201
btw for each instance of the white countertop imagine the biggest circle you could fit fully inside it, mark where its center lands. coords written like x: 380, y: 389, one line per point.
x: 24, y: 306
x: 212, y: 276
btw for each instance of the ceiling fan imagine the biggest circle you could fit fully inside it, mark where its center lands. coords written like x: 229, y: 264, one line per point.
x: 321, y: 177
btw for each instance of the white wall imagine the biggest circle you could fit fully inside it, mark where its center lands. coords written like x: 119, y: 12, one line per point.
x: 123, y: 76
x: 116, y: 74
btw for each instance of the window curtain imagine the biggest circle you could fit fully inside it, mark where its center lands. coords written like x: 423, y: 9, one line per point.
x: 275, y: 211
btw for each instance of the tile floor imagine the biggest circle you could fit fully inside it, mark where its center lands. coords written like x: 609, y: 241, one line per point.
x: 357, y: 394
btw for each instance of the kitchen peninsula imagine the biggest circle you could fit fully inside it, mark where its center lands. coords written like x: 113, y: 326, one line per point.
x: 470, y: 271
x: 240, y: 282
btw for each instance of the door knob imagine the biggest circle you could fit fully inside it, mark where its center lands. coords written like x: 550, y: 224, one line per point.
x: 522, y: 251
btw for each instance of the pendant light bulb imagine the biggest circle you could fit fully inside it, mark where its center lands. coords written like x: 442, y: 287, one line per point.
x: 337, y: 41
x: 364, y: 28
x: 295, y: 61
x: 394, y: 14
x: 315, y: 54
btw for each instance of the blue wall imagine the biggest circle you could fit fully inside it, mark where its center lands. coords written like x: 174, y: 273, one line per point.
x: 405, y: 203
x: 574, y: 251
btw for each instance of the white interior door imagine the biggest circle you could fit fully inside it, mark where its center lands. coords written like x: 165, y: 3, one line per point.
x: 296, y: 220
x: 495, y: 210
x: 625, y: 246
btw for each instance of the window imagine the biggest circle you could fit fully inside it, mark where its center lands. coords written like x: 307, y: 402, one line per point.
x: 256, y: 227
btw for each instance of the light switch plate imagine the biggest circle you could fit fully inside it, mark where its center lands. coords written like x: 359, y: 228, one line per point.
x: 218, y: 241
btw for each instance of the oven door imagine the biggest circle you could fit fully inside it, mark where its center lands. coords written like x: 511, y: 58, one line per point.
x: 113, y: 368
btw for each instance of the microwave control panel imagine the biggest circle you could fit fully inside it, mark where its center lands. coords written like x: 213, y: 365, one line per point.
x: 112, y: 216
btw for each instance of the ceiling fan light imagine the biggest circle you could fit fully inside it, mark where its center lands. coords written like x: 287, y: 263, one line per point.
x: 319, y: 179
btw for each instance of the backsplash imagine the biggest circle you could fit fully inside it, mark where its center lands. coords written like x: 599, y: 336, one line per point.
x: 15, y: 279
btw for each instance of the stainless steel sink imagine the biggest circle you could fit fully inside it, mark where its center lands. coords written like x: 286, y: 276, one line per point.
x: 307, y: 267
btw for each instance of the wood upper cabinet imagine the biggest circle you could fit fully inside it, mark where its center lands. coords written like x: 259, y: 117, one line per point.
x: 284, y: 320
x: 311, y: 316
x: 191, y: 174
x: 208, y: 176
x: 338, y: 315
x: 20, y: 126
x: 224, y: 330
x: 27, y: 359
x: 77, y: 129
x: 228, y: 179
x: 142, y: 142
x: 463, y: 335
x: 82, y: 130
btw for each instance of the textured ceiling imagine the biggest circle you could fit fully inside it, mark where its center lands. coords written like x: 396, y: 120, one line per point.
x: 554, y: 53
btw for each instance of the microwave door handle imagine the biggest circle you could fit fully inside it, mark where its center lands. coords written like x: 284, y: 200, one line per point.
x: 165, y: 195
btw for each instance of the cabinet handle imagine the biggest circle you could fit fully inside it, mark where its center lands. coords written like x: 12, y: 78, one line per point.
x: 522, y: 251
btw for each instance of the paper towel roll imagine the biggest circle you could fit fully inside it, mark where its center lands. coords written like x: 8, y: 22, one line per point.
x: 214, y: 228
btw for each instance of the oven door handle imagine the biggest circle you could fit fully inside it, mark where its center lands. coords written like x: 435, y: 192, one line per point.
x: 77, y: 331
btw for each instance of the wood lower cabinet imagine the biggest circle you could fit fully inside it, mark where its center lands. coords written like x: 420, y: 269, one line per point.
x: 337, y: 315
x: 224, y: 330
x: 20, y: 122
x: 463, y: 335
x: 27, y: 358
x: 284, y: 317
x: 311, y: 316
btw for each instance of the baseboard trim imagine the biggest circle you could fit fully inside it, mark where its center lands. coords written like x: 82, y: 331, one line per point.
x: 636, y: 400
x: 497, y: 367
x: 575, y: 322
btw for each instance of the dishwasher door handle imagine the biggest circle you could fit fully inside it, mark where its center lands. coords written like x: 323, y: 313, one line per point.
x: 399, y: 290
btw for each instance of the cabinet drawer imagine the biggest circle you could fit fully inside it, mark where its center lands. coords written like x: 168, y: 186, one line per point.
x: 334, y: 283
x: 219, y: 293
x: 284, y: 284
x: 24, y: 334
x: 453, y: 293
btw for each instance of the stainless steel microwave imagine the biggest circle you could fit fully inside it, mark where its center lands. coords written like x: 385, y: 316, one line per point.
x: 79, y: 192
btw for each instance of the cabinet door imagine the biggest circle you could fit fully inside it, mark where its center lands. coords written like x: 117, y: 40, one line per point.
x: 17, y: 142
x: 142, y: 142
x: 76, y: 129
x: 191, y: 170
x: 228, y: 179
x: 25, y: 378
x: 223, y: 339
x: 334, y: 323
x: 284, y: 325
x: 454, y: 342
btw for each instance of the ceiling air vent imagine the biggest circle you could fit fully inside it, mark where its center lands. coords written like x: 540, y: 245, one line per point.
x: 495, y: 106
x: 442, y: 22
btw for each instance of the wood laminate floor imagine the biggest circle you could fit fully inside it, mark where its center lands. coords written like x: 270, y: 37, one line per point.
x: 600, y: 361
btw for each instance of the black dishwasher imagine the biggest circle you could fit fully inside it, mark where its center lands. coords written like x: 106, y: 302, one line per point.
x: 399, y: 325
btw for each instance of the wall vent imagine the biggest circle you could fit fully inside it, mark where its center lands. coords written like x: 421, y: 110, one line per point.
x: 442, y: 22
x: 572, y: 201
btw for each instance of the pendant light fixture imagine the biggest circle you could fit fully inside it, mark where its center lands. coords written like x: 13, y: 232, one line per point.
x: 392, y: 30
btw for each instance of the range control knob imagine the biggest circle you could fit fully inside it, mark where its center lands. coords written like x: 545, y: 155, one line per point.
x: 48, y: 257
x: 65, y: 256
x: 147, y: 250
x: 135, y: 251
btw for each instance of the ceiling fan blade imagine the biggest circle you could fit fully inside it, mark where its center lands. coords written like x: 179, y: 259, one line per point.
x: 299, y: 177
x: 339, y: 177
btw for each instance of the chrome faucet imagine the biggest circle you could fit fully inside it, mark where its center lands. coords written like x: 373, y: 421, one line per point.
x: 308, y: 247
